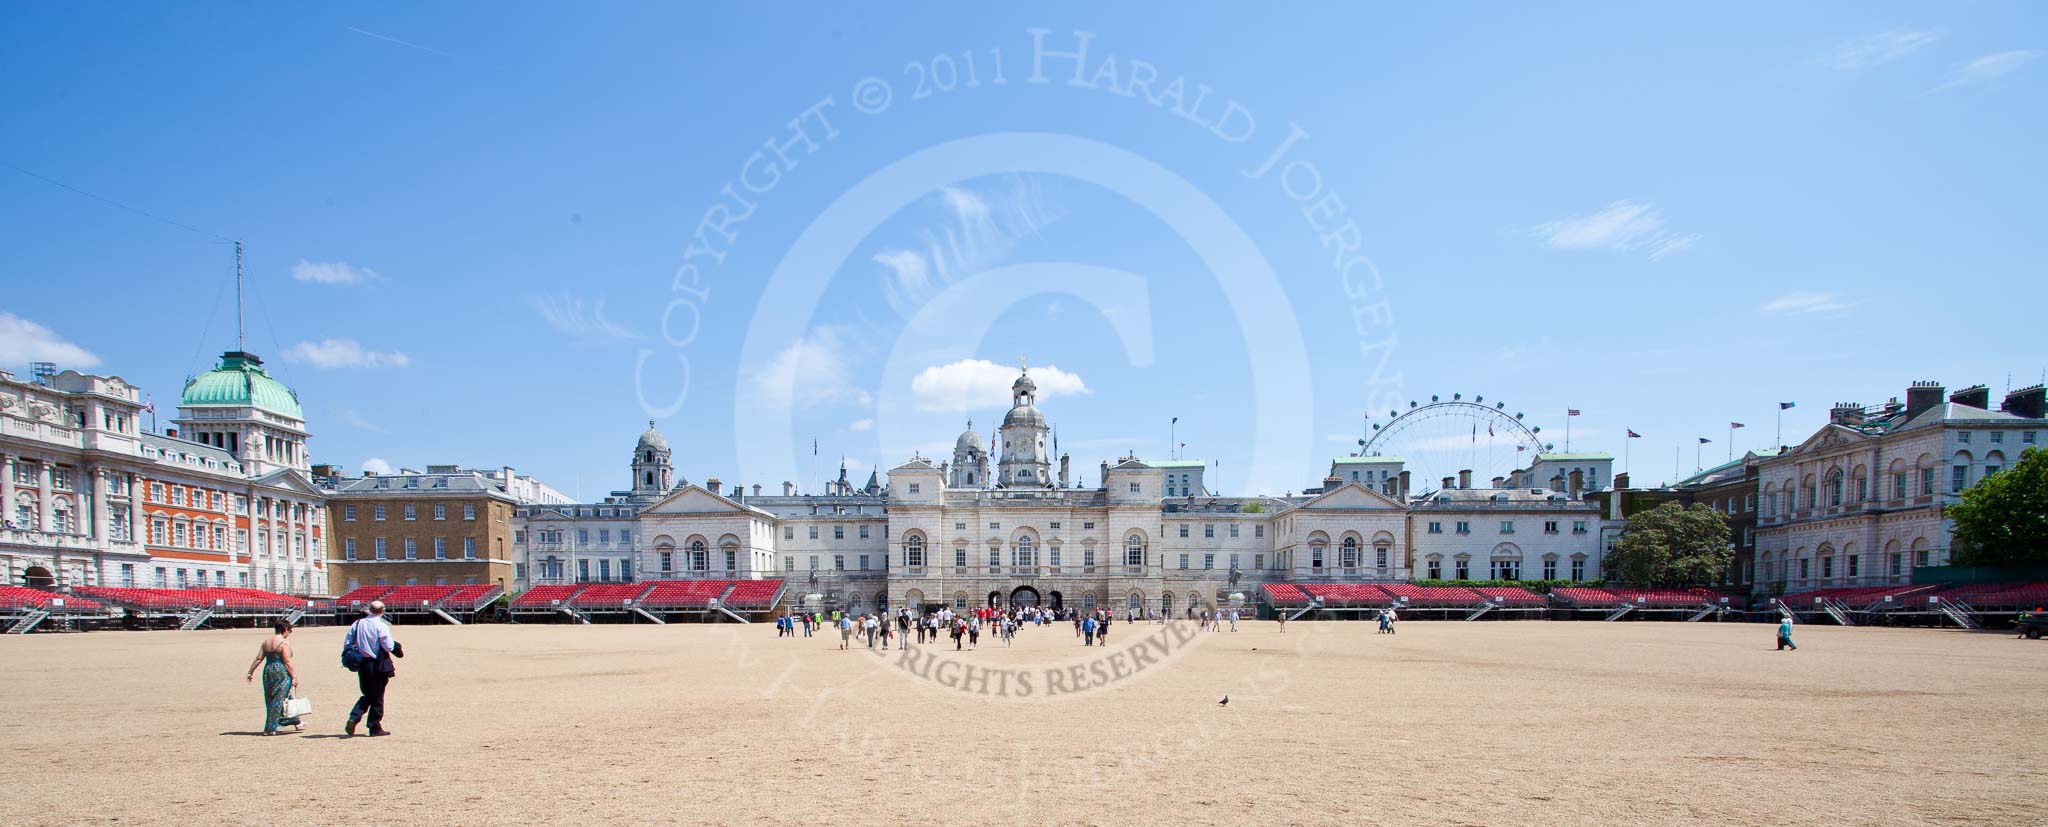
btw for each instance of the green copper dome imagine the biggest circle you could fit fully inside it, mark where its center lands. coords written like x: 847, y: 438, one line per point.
x: 239, y: 380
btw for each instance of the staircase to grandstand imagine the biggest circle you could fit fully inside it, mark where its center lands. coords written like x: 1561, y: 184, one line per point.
x: 28, y: 621
x: 195, y: 620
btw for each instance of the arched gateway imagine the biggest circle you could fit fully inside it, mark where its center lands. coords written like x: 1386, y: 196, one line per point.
x: 1024, y: 596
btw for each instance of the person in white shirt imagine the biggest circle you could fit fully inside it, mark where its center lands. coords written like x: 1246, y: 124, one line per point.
x: 371, y: 638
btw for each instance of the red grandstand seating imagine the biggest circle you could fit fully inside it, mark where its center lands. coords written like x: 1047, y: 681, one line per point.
x: 684, y: 594
x: 2015, y: 596
x: 1285, y: 595
x: 753, y: 594
x: 471, y: 598
x: 545, y: 597
x: 1586, y: 596
x: 179, y: 600
x: 1340, y: 595
x: 608, y: 595
x: 1433, y: 597
x: 1511, y: 596
x: 1666, y: 598
x: 411, y: 598
x: 18, y: 597
x: 362, y: 594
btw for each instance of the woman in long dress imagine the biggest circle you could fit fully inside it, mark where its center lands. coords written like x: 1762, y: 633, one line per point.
x: 275, y: 659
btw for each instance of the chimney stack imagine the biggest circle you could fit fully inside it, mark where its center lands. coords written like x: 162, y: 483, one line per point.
x: 711, y: 485
x: 1921, y: 397
x: 757, y: 489
x: 1620, y: 482
x: 1465, y: 478
x: 788, y: 488
x: 508, y: 479
x: 1450, y: 483
x: 1975, y: 396
x: 1578, y: 482
x: 1500, y: 482
x: 2030, y: 403
x: 738, y: 492
x: 1850, y: 414
x: 1404, y: 485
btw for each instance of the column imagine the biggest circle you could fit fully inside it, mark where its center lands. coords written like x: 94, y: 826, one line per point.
x: 291, y: 530
x: 43, y: 510
x: 102, y: 515
x: 7, y: 488
x: 134, y: 527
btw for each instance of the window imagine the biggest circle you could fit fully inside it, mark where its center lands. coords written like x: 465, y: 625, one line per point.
x: 1897, y: 560
x: 913, y: 488
x: 1380, y: 557
x: 1550, y: 526
x: 1208, y: 561
x: 1998, y: 437
x: 1920, y: 557
x: 1134, y: 551
x: 1135, y: 489
x: 412, y: 548
x: 1899, y: 486
x: 1578, y: 569
x: 1183, y: 529
x: 469, y: 512
x: 583, y: 571
x: 377, y: 512
x: 789, y: 532
x: 960, y: 557
x: 411, y: 512
x: 1259, y: 531
x: 1258, y: 561
x: 1209, y: 530
x: 1855, y: 567
x: 1315, y: 557
x: 348, y: 548
x: 839, y: 562
x: 1507, y: 569
x: 2027, y: 437
x: 839, y: 532
x: 1436, y: 569
x: 440, y: 548
x: 1805, y: 568
x: 1578, y: 526
x: 1183, y: 561
x: 1464, y: 527
x: 1958, y: 477
x: 1963, y: 437
x: 1349, y: 556
x: 1436, y: 528
x: 582, y: 536
x: 1091, y: 526
x: 1550, y: 569
x: 1827, y: 566
x: 440, y: 511
x: 625, y: 536
x: 995, y: 557
x: 732, y: 560
x: 379, y: 542
x: 1992, y: 469
x: 1463, y: 568
x: 1233, y: 531
x: 1926, y: 481
x: 913, y: 551
x: 863, y: 532
x: 604, y: 536
x: 814, y: 532
x: 348, y: 513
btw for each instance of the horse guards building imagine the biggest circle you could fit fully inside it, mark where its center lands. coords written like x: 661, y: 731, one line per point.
x: 1012, y: 528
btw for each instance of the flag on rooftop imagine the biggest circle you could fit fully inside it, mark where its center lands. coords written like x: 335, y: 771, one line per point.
x: 1734, y: 424
x: 1784, y: 405
x: 1704, y: 440
x: 1633, y: 435
x: 1572, y: 412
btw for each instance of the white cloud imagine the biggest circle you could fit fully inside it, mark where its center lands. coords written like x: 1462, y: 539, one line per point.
x: 1989, y: 67
x: 23, y: 341
x: 335, y: 354
x: 375, y: 465
x: 979, y: 228
x: 569, y: 315
x: 861, y: 425
x: 809, y: 372
x: 1623, y: 226
x: 332, y: 272
x: 1802, y: 303
x: 1882, y: 47
x: 977, y: 384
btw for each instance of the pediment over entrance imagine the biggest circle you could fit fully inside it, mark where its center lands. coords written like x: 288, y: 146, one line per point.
x: 1353, y: 497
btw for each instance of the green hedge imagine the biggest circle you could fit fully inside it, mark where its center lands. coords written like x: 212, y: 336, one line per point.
x: 1538, y: 586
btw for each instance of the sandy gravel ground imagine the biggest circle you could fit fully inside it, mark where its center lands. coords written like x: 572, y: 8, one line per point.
x: 1453, y: 723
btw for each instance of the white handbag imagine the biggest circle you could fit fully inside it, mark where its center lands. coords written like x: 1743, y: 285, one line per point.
x: 297, y: 707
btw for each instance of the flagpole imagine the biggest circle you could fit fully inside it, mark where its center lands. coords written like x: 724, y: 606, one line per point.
x: 1567, y: 432
x: 1731, y: 442
x: 1781, y: 425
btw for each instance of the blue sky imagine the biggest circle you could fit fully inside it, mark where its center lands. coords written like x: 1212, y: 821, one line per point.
x: 471, y: 231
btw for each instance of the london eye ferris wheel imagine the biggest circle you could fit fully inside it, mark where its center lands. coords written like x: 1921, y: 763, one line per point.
x: 1440, y: 438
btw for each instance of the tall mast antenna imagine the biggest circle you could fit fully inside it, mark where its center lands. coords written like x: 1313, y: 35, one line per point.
x: 241, y: 338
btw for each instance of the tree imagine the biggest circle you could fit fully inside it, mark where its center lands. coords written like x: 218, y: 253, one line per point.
x: 2004, y: 518
x: 1672, y: 545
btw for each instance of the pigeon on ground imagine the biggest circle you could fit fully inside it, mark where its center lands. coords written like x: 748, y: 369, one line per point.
x: 1224, y: 702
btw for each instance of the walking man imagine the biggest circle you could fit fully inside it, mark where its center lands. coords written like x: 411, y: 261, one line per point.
x: 371, y: 638
x: 1785, y: 635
